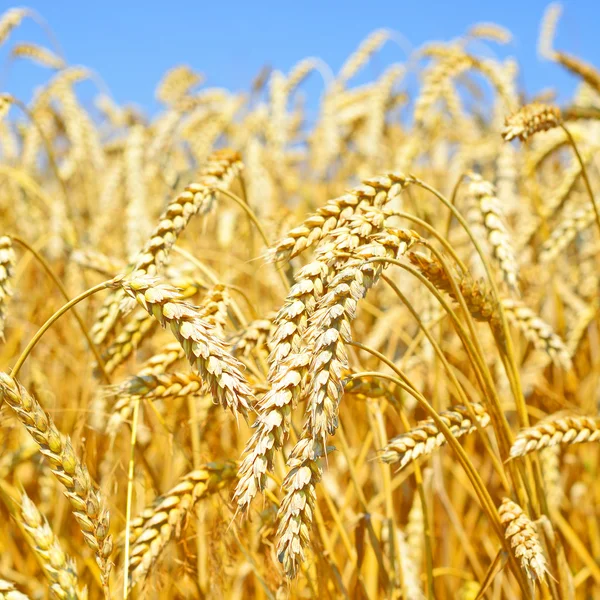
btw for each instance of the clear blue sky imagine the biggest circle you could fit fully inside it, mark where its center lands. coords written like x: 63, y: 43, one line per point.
x: 132, y: 43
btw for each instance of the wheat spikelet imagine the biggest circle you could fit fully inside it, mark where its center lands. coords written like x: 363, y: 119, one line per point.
x: 198, y: 198
x: 531, y: 119
x: 176, y: 83
x: 550, y: 464
x: 524, y: 542
x: 409, y: 568
x: 585, y: 70
x: 295, y: 513
x: 584, y: 320
x: 553, y: 431
x: 9, y: 592
x: 426, y: 437
x: 493, y: 219
x: 255, y: 336
x: 138, y: 226
x: 328, y: 332
x: 363, y: 53
x: 329, y: 326
x: 333, y: 215
x: 58, y: 567
x: 478, y: 299
x: 205, y: 352
x: 86, y: 502
x: 165, y: 519
x: 10, y: 19
x: 212, y: 309
x: 288, y: 363
x: 288, y: 369
x: 548, y: 30
x: 38, y: 54
x: 150, y: 387
x: 7, y: 263
x: 139, y: 327
x: 300, y: 71
x: 539, y: 333
x: 89, y: 258
x: 574, y: 222
x: 453, y: 63
x: 490, y: 31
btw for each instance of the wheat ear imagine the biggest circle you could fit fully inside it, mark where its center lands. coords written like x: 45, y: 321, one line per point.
x: 8, y: 591
x: 7, y: 263
x: 165, y: 519
x: 198, y: 198
x: 426, y: 437
x: 531, y: 119
x: 205, y: 351
x: 86, y: 502
x: 570, y: 429
x: 520, y: 533
x: 59, y: 568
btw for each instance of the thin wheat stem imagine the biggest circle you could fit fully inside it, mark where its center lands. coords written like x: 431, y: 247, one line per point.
x: 59, y: 313
x: 584, y: 174
x: 130, y: 470
x: 44, y: 263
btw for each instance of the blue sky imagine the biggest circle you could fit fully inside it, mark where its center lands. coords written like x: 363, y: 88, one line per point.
x: 132, y: 43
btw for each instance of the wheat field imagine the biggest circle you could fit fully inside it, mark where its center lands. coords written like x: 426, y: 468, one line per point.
x: 249, y: 354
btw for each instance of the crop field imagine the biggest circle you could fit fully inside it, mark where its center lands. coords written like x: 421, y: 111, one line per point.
x: 263, y: 346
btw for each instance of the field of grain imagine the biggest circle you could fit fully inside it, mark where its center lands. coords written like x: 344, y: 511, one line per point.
x: 247, y: 354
